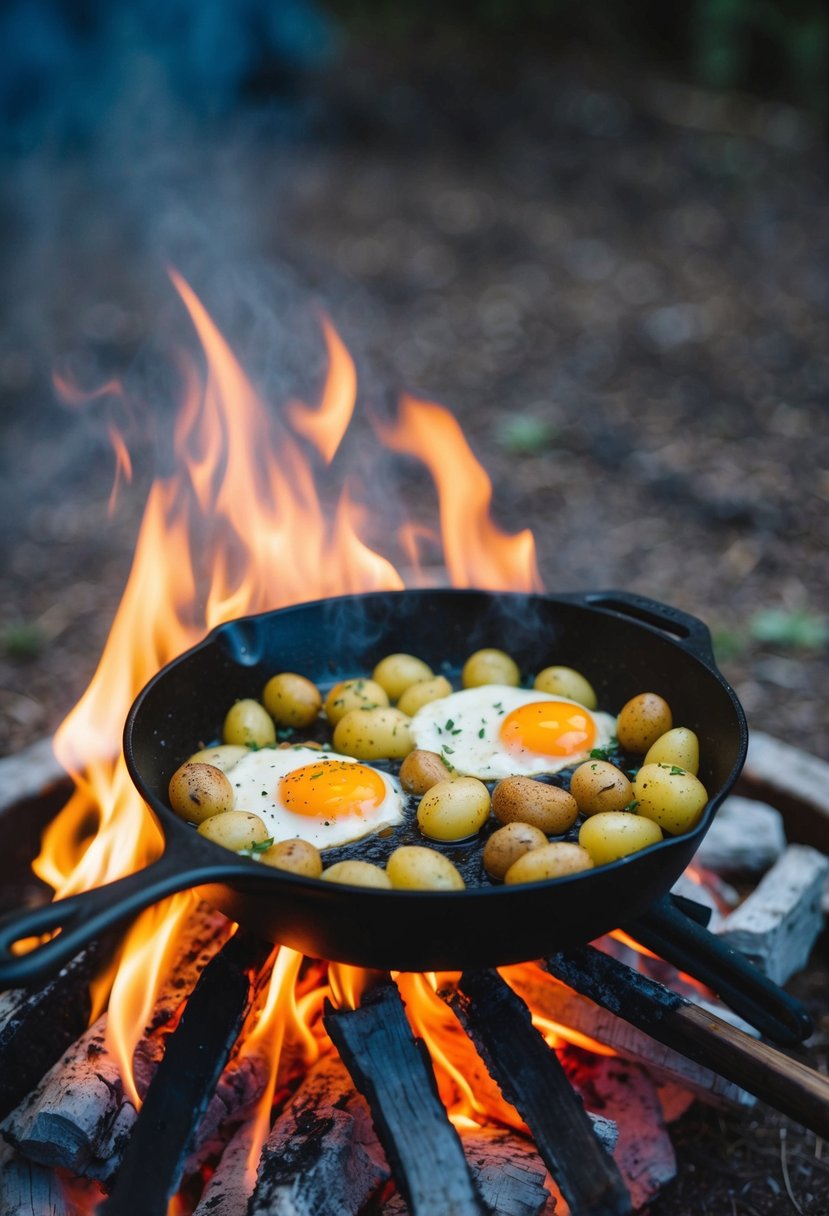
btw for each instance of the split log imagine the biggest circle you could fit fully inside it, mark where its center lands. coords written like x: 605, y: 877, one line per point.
x: 777, y: 925
x: 29, y: 774
x: 531, y: 1078
x: 27, y: 1189
x: 794, y: 782
x: 322, y: 1157
x: 746, y: 837
x: 392, y: 1069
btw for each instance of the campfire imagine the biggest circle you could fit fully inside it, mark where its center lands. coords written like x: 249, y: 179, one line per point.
x: 219, y: 1074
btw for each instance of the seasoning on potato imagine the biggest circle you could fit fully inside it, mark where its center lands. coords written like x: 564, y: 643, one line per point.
x: 353, y: 694
x: 223, y: 756
x: 357, y: 874
x: 381, y: 733
x: 490, y: 666
x: 422, y: 692
x: 507, y: 844
x: 598, y: 785
x: 614, y: 834
x: 249, y: 723
x: 414, y: 867
x: 670, y: 797
x: 396, y: 672
x: 421, y: 770
x: 291, y: 699
x: 547, y: 807
x: 679, y: 746
x: 295, y: 856
x: 454, y: 810
x: 554, y: 860
x: 197, y: 791
x: 642, y: 720
x: 239, y: 831
x: 565, y: 682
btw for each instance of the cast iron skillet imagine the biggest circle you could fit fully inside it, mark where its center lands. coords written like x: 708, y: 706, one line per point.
x: 624, y: 644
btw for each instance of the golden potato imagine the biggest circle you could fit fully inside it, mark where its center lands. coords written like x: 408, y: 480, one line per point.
x: 490, y: 666
x: 552, y: 861
x: 235, y: 830
x: 421, y: 770
x: 291, y: 700
x: 507, y: 844
x: 642, y: 720
x: 679, y: 746
x: 295, y: 856
x: 422, y: 692
x: 353, y: 694
x: 670, y: 797
x: 249, y: 723
x: 374, y: 734
x: 454, y: 810
x: 565, y: 682
x: 600, y: 786
x: 413, y: 867
x: 526, y: 800
x: 223, y: 756
x: 614, y: 834
x: 198, y: 790
x: 396, y: 672
x: 357, y: 874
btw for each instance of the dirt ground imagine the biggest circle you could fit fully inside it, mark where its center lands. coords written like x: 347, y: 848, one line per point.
x: 619, y: 284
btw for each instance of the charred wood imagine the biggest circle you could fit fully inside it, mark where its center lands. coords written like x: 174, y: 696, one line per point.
x: 27, y: 1189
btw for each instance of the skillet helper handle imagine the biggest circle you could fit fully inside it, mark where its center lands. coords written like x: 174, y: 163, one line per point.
x: 690, y: 632
x: 79, y: 919
x: 668, y: 932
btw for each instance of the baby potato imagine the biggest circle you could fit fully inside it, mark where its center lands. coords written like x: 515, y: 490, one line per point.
x: 670, y: 797
x: 507, y: 844
x: 413, y: 867
x: 353, y: 694
x: 396, y: 672
x: 224, y: 756
x: 454, y: 810
x: 234, y: 830
x: 642, y: 720
x: 614, y: 834
x: 600, y: 786
x: 197, y: 791
x: 490, y: 666
x: 249, y: 723
x: 552, y: 861
x: 565, y: 682
x: 374, y: 734
x: 421, y: 770
x: 546, y: 807
x: 422, y: 692
x: 291, y: 699
x: 357, y: 874
x: 295, y: 856
x: 679, y: 746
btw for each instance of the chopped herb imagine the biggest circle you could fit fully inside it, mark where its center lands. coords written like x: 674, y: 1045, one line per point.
x: 631, y: 806
x: 261, y: 846
x: 481, y: 733
x: 449, y: 750
x: 457, y: 731
x: 676, y: 771
x: 284, y: 732
x: 449, y: 724
x: 314, y: 776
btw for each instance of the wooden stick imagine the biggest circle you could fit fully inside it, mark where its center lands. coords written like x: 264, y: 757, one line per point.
x: 785, y: 1083
x: 532, y: 1080
x: 392, y: 1070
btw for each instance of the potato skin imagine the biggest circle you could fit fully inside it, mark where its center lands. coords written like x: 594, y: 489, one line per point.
x: 234, y: 830
x: 454, y: 810
x: 414, y: 867
x: 396, y: 672
x: 422, y: 692
x: 566, y: 682
x: 295, y: 856
x: 421, y: 770
x: 552, y: 861
x: 353, y: 694
x: 614, y: 834
x: 357, y: 874
x: 291, y: 699
x: 223, y: 756
x: 507, y: 844
x: 490, y: 666
x: 600, y: 786
x: 642, y: 720
x: 197, y: 791
x: 374, y: 734
x: 670, y: 797
x: 679, y: 746
x: 546, y: 807
x: 249, y: 723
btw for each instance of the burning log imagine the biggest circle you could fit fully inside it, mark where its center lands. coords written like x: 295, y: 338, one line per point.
x: 794, y: 782
x: 29, y: 1190
x: 393, y: 1071
x: 533, y: 1081
x: 322, y: 1157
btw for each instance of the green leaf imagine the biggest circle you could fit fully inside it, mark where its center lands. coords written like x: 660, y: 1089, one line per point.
x: 524, y: 434
x: 791, y: 629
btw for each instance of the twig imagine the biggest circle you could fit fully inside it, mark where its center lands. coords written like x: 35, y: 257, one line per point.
x: 784, y: 1166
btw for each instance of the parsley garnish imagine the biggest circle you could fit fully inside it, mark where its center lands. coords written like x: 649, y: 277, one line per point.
x: 261, y: 846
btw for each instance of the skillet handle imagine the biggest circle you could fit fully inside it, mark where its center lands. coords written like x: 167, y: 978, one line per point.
x: 690, y: 632
x: 79, y: 919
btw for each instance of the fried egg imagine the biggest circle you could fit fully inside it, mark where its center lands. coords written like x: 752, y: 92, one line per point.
x: 497, y: 731
x: 318, y: 796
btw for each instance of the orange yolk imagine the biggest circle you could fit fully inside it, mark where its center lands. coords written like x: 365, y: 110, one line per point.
x: 548, y: 728
x: 332, y: 789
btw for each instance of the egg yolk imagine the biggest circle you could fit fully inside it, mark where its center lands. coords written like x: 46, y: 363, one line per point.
x: 332, y: 789
x: 548, y: 728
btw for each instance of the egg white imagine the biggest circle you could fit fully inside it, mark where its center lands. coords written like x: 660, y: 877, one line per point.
x: 464, y: 729
x: 255, y: 779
